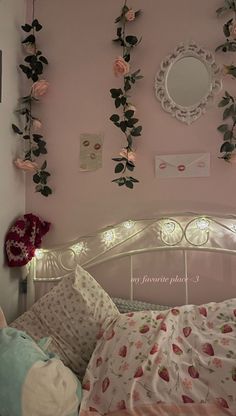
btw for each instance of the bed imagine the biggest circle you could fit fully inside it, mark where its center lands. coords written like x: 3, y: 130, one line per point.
x: 164, y: 341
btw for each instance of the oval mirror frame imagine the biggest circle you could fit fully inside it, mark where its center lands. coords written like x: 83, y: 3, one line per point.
x: 191, y: 113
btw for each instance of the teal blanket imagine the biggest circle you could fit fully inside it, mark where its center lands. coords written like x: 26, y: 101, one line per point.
x: 32, y: 383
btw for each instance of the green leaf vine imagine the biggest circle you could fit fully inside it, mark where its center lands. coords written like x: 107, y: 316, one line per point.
x: 228, y: 101
x: 126, y: 121
x: 33, y: 142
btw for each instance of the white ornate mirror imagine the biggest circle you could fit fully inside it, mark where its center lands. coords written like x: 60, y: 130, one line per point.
x: 188, y: 80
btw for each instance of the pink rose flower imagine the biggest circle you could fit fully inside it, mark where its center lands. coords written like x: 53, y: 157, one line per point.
x: 26, y: 165
x: 120, y: 66
x: 130, y: 156
x: 39, y: 88
x: 37, y: 124
x: 130, y: 15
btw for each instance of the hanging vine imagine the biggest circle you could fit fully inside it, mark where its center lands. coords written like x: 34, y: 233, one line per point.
x: 126, y: 122
x: 228, y: 102
x: 29, y: 129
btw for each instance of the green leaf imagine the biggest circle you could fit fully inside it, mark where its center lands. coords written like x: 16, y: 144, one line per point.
x: 26, y: 137
x: 115, y: 118
x: 46, y: 191
x: 43, y: 59
x: 36, y: 178
x: 16, y: 129
x: 118, y: 159
x: 136, y: 131
x: 226, y: 113
x: 117, y: 102
x: 119, y: 168
x: 223, y: 128
x: 26, y: 27
x: 228, y: 135
x: 227, y: 147
x: 129, y: 184
x: 123, y: 126
x: 131, y: 40
x: 133, y: 179
x: 37, y: 25
x: 123, y: 100
x: 116, y: 92
x: 129, y: 113
x: 130, y: 166
x: 44, y: 165
x: 224, y: 102
x: 29, y: 39
x: 132, y: 121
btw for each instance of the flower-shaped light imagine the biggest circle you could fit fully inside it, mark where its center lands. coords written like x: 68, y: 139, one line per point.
x: 129, y: 224
x: 203, y: 224
x: 168, y: 227
x: 109, y: 237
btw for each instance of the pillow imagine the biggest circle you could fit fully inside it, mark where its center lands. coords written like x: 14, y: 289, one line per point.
x: 180, y: 361
x: 71, y: 314
x: 32, y: 383
x: 2, y: 319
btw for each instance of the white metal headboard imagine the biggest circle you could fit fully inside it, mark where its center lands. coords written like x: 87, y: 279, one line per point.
x: 182, y: 232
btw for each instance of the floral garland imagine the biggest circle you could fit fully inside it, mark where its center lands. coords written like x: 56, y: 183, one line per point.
x: 228, y: 101
x: 127, y: 123
x: 34, y: 144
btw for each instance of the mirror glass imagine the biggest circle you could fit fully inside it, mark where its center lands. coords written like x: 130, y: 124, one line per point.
x: 188, y: 81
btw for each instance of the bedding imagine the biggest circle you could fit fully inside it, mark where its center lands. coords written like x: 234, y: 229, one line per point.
x: 2, y: 319
x: 33, y: 383
x: 127, y: 305
x: 176, y: 362
x: 71, y: 314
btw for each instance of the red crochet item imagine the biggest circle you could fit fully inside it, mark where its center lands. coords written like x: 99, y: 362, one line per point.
x: 23, y: 238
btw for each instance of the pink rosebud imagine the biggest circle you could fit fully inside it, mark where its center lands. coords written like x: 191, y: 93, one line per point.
x: 26, y: 165
x: 130, y: 15
x: 129, y: 155
x: 39, y: 88
x: 120, y: 66
x: 30, y: 48
x: 37, y: 124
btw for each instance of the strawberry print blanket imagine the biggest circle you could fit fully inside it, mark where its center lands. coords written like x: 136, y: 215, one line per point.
x: 176, y: 362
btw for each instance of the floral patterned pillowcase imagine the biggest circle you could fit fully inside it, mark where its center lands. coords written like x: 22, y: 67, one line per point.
x: 184, y: 356
x: 71, y: 315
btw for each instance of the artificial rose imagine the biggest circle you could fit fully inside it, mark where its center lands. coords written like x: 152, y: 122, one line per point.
x: 130, y: 15
x: 37, y: 124
x: 26, y: 165
x: 233, y: 30
x: 129, y: 155
x: 120, y: 66
x: 30, y: 48
x: 39, y: 88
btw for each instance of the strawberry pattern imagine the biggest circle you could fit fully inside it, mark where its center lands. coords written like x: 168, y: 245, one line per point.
x: 172, y: 358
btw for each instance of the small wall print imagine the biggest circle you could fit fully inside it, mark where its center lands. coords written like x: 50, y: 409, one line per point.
x: 0, y: 76
x: 183, y: 166
x: 90, y: 152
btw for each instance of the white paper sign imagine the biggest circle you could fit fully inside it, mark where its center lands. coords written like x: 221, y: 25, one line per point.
x: 183, y: 166
x: 90, y: 152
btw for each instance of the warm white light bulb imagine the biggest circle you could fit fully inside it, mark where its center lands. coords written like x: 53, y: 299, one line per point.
x: 233, y: 228
x: 38, y: 254
x: 108, y: 236
x: 129, y: 224
x: 203, y: 224
x: 169, y: 227
x: 79, y: 248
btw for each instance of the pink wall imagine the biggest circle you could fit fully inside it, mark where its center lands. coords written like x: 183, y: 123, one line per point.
x: 77, y: 40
